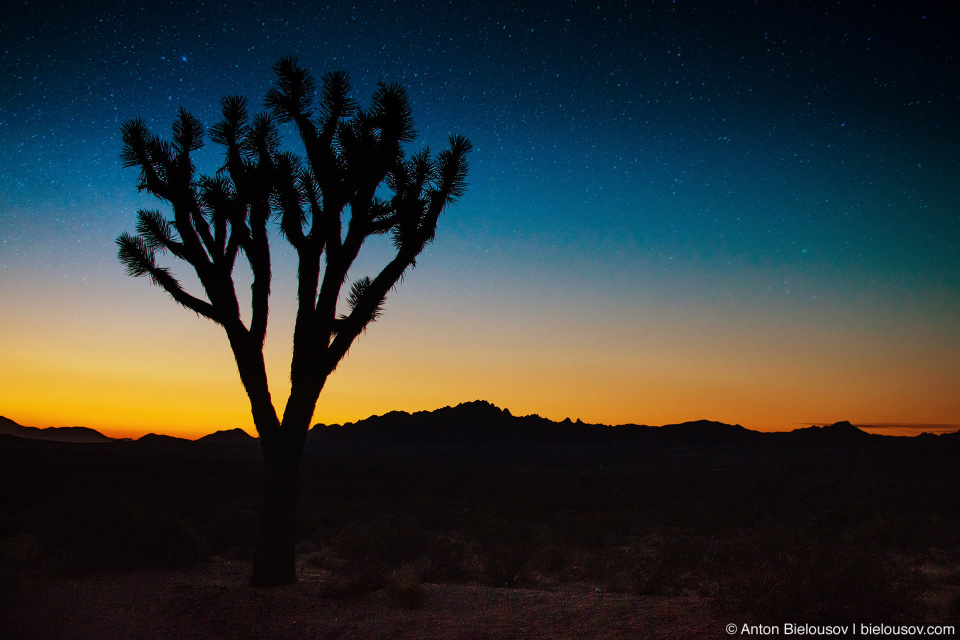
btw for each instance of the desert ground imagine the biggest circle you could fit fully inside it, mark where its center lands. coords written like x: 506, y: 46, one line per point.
x: 104, y: 541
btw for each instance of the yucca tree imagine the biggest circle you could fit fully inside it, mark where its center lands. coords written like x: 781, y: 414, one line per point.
x: 326, y: 206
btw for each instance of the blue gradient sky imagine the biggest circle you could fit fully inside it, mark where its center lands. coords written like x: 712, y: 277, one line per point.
x: 747, y: 212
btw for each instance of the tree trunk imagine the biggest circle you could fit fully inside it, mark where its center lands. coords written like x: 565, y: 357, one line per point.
x: 275, y: 560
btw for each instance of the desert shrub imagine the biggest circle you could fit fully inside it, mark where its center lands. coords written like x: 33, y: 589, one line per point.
x: 550, y: 553
x: 405, y: 588
x: 663, y: 563
x: 504, y: 563
x: 230, y: 529
x: 448, y: 557
x: 357, y: 578
x: 916, y: 531
x: 590, y: 530
x: 392, y: 541
x: 952, y: 578
x: 787, y: 575
x: 107, y: 533
x: 503, y: 543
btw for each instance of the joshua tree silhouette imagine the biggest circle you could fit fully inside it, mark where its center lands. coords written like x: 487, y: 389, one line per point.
x: 326, y: 208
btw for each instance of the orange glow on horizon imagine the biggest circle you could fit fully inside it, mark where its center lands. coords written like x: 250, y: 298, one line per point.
x: 157, y: 369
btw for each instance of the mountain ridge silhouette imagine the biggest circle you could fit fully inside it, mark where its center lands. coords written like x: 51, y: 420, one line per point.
x: 58, y: 434
x: 480, y: 423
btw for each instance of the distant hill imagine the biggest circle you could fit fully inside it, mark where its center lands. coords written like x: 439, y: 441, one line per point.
x: 233, y: 443
x: 481, y: 431
x: 229, y: 436
x: 837, y: 433
x: 84, y: 434
x: 55, y: 434
x: 480, y: 422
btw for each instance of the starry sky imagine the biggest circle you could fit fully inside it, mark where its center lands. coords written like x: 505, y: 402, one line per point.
x: 739, y: 211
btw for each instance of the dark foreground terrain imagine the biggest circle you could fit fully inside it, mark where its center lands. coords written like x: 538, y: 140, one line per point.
x: 501, y: 537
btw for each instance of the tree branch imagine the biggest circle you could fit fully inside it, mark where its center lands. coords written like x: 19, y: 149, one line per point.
x: 140, y: 260
x: 366, y: 307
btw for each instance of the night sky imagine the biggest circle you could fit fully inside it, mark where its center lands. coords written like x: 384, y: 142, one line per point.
x: 746, y: 212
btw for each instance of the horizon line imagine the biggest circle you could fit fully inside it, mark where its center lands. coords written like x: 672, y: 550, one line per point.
x: 911, y: 426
